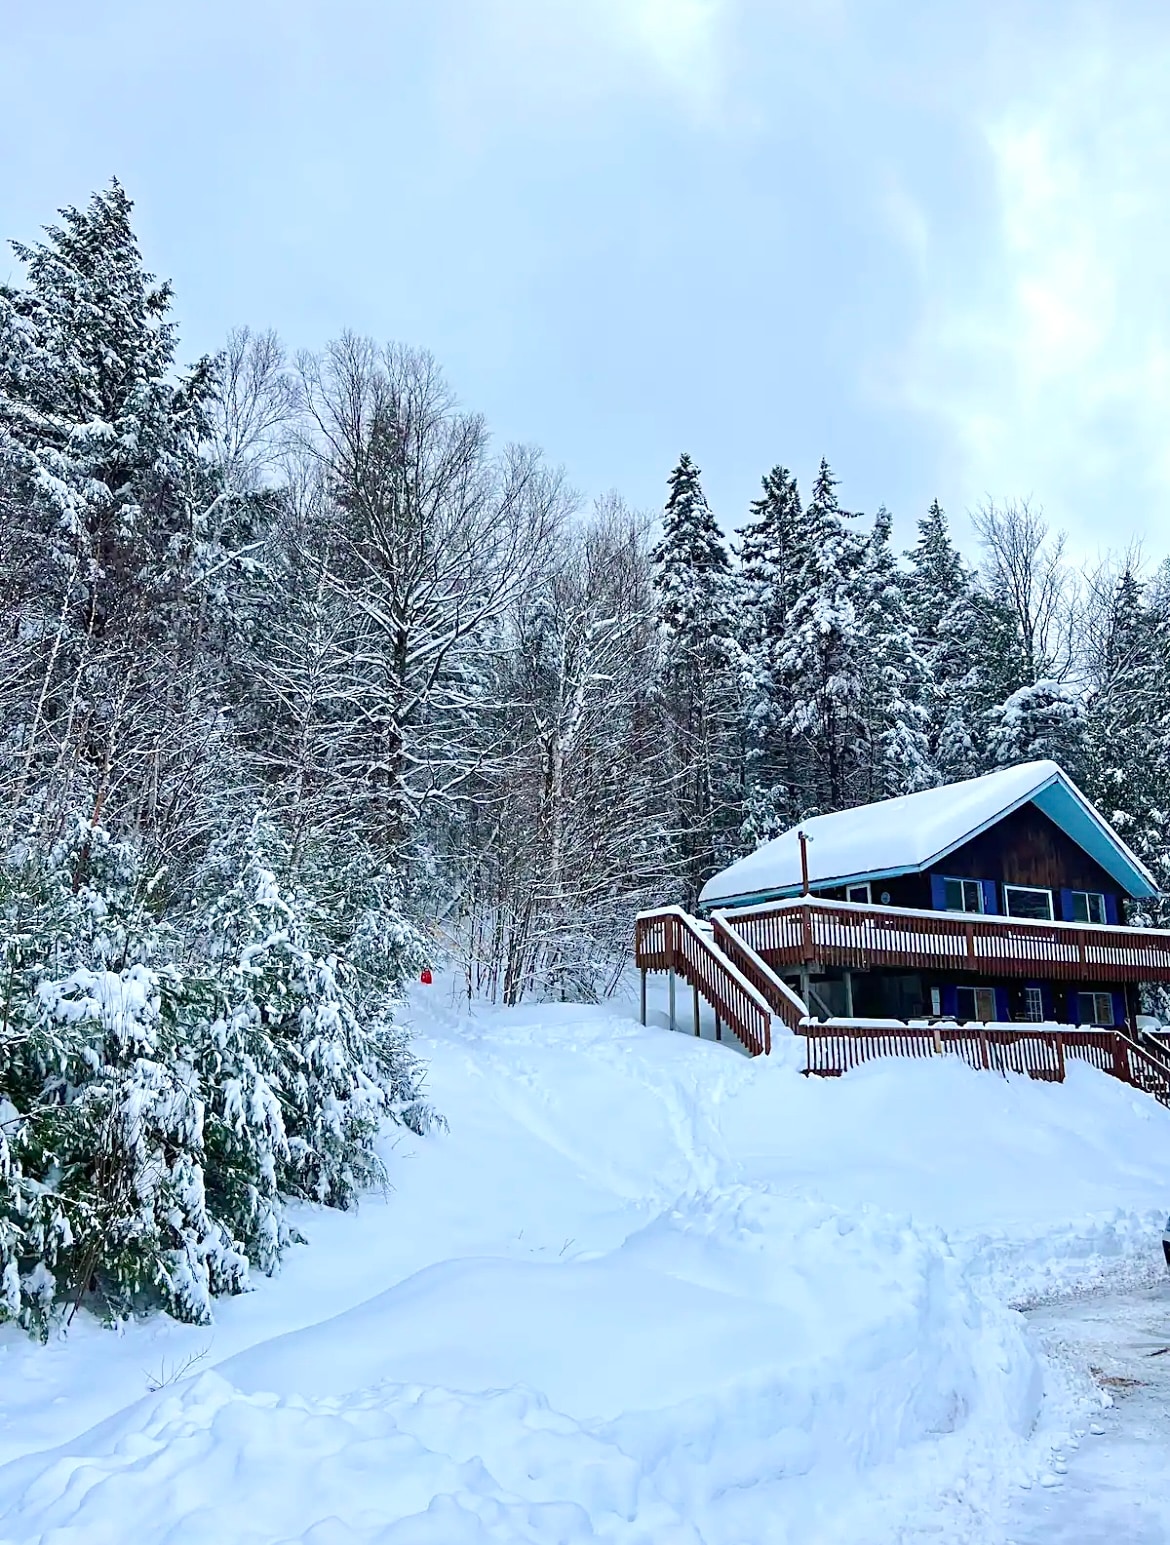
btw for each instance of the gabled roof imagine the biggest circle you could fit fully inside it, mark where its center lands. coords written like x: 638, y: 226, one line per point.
x: 916, y: 831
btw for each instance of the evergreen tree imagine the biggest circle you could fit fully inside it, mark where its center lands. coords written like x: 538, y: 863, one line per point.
x: 1127, y: 760
x: 105, y: 1197
x: 695, y: 596
x: 969, y: 645
x: 1044, y: 720
x: 770, y: 556
x: 114, y: 511
x: 822, y: 659
x: 899, y: 683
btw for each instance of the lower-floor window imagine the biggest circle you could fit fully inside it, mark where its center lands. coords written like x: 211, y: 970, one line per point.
x: 976, y: 1003
x: 1096, y: 1008
x: 1033, y: 1005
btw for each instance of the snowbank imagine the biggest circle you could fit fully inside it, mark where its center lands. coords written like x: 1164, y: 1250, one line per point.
x: 644, y: 1290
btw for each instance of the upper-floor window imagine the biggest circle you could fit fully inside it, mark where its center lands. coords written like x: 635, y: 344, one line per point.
x: 963, y: 895
x: 1027, y: 901
x: 1088, y: 907
x: 858, y: 892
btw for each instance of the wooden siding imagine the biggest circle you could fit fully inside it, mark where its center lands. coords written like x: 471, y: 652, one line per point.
x: 1026, y: 848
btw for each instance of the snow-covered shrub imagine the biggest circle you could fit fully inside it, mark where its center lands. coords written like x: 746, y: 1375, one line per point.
x: 172, y: 1072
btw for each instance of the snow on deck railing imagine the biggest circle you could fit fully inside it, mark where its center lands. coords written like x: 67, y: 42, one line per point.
x: 872, y: 908
x: 797, y: 1008
x: 861, y: 935
x: 706, y: 943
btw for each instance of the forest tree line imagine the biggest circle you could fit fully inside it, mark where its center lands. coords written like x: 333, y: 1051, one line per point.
x: 306, y: 682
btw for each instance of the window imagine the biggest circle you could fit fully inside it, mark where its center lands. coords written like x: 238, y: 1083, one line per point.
x: 1096, y: 1008
x: 1088, y: 907
x: 857, y: 892
x: 1027, y: 901
x: 963, y: 895
x: 936, y: 1001
x: 1034, y: 1005
x: 976, y: 1003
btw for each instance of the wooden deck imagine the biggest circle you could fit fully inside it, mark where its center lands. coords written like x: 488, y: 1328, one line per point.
x: 734, y: 960
x: 858, y: 937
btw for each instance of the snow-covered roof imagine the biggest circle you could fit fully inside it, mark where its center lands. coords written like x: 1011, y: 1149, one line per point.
x: 914, y: 832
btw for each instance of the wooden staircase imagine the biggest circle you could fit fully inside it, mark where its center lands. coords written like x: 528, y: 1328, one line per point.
x: 722, y: 969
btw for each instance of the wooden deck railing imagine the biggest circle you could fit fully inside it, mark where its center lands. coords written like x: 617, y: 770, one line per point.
x: 860, y: 937
x: 784, y: 1003
x: 1039, y: 1051
x: 670, y: 940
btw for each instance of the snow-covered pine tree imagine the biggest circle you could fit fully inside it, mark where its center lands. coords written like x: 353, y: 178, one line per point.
x: 105, y: 1198
x: 822, y: 660
x: 695, y: 592
x: 307, y: 1057
x: 770, y: 554
x: 898, y: 679
x: 117, y: 521
x: 1045, y: 719
x: 970, y: 645
x: 1127, y: 762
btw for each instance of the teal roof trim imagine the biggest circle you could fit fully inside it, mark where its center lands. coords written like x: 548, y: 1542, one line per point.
x: 1063, y: 804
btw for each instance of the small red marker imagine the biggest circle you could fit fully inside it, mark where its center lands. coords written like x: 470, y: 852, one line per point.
x: 425, y: 976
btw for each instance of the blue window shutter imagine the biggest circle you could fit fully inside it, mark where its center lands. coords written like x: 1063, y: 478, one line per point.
x: 1111, y: 908
x: 1120, y: 1013
x: 1066, y: 904
x: 1074, y: 1007
x: 949, y: 1001
x: 938, y: 893
x: 990, y: 902
x: 1046, y: 1000
x: 1003, y: 1008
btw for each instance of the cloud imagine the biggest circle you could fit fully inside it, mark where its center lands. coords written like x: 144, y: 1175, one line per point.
x: 1044, y: 341
x: 511, y: 59
x: 682, y: 40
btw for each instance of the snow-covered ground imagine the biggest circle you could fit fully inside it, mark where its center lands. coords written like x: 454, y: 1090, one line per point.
x: 644, y: 1290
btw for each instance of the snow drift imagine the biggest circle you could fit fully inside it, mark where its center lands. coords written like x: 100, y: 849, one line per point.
x: 644, y: 1290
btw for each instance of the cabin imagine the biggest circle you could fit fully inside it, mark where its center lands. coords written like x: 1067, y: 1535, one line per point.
x: 1018, y: 846
x: 955, y: 918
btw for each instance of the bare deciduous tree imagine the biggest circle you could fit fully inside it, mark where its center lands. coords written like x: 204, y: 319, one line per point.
x: 1025, y: 570
x: 432, y: 539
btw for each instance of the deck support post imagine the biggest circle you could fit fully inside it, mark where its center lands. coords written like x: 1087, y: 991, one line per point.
x: 718, y: 1026
x: 804, y: 989
x: 670, y: 994
x: 849, y: 995
x: 698, y: 1025
x: 643, y: 995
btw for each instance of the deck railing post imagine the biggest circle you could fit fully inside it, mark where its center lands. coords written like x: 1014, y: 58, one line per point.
x: 807, y: 933
x: 1121, y: 1068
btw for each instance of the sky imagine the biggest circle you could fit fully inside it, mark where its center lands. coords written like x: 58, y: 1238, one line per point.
x: 924, y: 240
